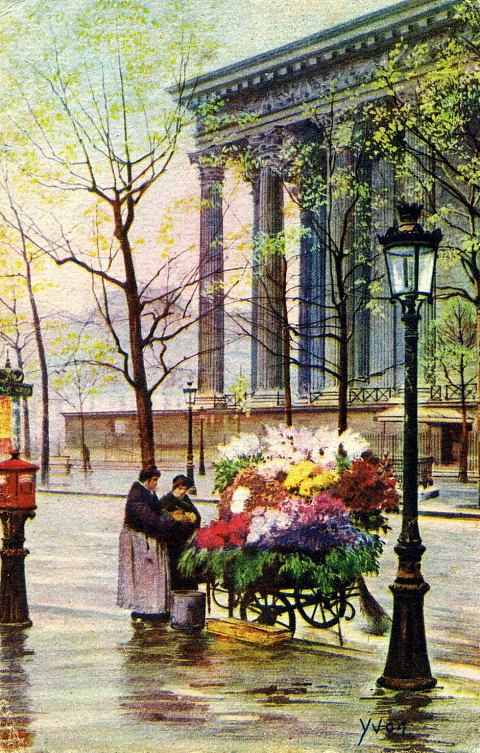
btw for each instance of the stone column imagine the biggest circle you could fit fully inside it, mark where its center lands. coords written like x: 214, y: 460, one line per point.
x: 211, y: 345
x: 361, y: 257
x: 387, y: 350
x: 312, y: 307
x: 267, y: 286
x: 420, y: 187
x: 255, y: 182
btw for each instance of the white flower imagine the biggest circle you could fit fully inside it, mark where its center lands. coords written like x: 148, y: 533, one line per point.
x: 239, y: 497
x: 243, y: 445
x: 266, y: 521
x: 273, y: 467
x: 353, y: 444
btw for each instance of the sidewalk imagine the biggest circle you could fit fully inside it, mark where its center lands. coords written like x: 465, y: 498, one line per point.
x: 454, y: 499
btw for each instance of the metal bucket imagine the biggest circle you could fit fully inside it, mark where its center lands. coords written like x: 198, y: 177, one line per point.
x: 188, y: 610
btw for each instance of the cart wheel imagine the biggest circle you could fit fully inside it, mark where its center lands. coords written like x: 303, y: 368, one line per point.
x: 222, y: 597
x: 268, y: 609
x: 318, y: 609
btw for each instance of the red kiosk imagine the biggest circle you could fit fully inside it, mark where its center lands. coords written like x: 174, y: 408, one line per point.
x: 17, y: 504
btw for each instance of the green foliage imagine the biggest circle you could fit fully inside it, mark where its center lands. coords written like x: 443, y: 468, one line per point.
x: 226, y: 470
x: 235, y: 567
x: 427, y: 125
x: 338, y: 567
x: 239, y: 390
x: 454, y: 333
x: 242, y: 569
x: 86, y: 101
x: 83, y: 366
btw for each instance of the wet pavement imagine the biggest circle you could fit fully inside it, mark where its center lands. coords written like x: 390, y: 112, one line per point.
x: 82, y: 680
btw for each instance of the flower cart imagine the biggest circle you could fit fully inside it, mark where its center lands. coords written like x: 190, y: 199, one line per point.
x: 300, y: 515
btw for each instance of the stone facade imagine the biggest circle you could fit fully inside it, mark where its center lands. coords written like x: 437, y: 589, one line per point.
x: 281, y: 89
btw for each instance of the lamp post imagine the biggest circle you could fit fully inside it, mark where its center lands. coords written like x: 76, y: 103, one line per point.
x: 201, y: 455
x: 190, y: 392
x: 410, y: 253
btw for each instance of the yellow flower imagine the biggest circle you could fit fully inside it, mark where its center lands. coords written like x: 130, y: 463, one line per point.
x: 325, y: 480
x: 314, y: 484
x: 297, y: 474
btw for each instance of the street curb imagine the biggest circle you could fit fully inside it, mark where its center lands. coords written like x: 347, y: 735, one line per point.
x: 210, y: 501
x: 71, y: 493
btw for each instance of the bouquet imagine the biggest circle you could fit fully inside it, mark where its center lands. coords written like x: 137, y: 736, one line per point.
x: 306, y: 504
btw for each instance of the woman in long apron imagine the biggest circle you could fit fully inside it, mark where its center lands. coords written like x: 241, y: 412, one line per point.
x: 144, y: 573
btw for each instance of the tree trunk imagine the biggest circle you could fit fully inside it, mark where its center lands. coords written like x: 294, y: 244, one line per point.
x: 85, y: 459
x: 45, y: 432
x: 142, y: 394
x: 343, y: 370
x: 463, y: 458
x: 478, y: 399
x: 286, y: 347
x: 27, y: 445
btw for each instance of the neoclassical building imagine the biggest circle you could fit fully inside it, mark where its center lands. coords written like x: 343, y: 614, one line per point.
x: 265, y: 103
x: 280, y: 89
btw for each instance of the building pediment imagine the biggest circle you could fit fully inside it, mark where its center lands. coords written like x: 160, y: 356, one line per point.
x: 302, y: 72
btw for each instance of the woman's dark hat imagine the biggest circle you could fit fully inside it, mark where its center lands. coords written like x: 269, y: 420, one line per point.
x: 146, y: 475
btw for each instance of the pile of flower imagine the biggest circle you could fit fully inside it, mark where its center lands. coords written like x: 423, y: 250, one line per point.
x: 304, y: 504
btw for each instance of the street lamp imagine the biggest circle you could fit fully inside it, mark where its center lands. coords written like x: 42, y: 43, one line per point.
x: 410, y: 254
x: 190, y: 392
x: 201, y: 455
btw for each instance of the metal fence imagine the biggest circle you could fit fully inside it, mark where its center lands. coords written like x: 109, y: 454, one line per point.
x: 429, y: 446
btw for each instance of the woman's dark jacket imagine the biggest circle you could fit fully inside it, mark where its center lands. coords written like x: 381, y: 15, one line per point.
x: 144, y: 513
x: 176, y: 540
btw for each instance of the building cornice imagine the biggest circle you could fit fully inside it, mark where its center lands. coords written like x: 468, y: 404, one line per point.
x: 365, y: 35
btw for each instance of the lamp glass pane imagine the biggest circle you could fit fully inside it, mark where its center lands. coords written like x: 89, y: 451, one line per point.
x: 426, y: 266
x: 401, y: 265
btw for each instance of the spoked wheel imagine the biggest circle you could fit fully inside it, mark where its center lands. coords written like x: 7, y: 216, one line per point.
x: 268, y: 609
x: 318, y: 609
x: 224, y: 598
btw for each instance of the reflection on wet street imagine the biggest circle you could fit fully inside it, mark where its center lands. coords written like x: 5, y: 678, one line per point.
x: 82, y: 680
x: 15, y: 711
x: 225, y: 695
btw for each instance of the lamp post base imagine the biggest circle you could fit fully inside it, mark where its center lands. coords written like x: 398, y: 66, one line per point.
x: 393, y: 683
x: 407, y: 666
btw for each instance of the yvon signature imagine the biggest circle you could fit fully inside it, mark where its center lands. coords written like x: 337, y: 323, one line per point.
x: 388, y: 726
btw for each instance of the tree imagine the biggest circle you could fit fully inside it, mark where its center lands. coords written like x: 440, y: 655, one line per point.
x: 333, y: 189
x: 16, y: 333
x: 77, y: 375
x: 454, y: 333
x: 93, y: 118
x: 426, y: 122
x: 28, y: 275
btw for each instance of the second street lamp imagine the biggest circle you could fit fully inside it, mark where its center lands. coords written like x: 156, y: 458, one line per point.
x: 190, y: 392
x: 201, y: 455
x: 410, y: 254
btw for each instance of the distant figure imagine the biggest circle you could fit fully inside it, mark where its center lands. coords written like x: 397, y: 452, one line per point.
x: 178, y: 504
x: 144, y: 572
x: 86, y: 458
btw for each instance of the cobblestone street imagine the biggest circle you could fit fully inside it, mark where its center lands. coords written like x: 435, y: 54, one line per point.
x: 82, y: 679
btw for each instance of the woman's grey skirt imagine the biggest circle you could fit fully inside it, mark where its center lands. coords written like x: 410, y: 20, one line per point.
x: 143, y: 574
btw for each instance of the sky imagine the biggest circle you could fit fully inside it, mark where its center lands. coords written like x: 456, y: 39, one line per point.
x: 245, y: 28
x: 249, y: 27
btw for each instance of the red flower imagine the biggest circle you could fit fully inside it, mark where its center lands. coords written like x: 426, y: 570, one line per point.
x: 367, y: 486
x: 263, y: 492
x: 224, y: 534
